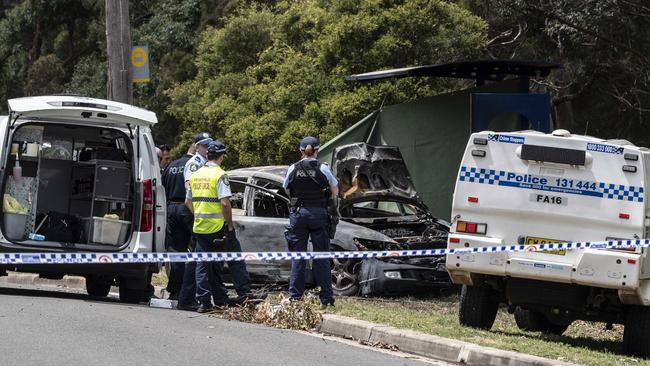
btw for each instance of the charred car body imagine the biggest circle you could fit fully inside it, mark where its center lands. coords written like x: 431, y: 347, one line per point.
x: 377, y: 192
x: 380, y: 210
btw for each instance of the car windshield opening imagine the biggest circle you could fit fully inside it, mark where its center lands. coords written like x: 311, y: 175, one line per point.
x: 377, y: 209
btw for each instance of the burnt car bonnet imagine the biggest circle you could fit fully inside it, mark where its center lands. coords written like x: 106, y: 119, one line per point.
x: 367, y: 172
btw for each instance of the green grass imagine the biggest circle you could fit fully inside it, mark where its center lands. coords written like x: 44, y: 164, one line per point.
x: 584, y: 342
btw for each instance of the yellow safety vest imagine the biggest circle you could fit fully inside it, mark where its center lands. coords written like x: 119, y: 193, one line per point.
x: 208, y: 217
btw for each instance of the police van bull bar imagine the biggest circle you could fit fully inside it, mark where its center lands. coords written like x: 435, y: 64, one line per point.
x: 107, y: 258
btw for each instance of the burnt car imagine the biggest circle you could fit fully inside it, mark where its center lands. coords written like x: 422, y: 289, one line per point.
x: 261, y: 215
x: 380, y: 210
x: 376, y: 192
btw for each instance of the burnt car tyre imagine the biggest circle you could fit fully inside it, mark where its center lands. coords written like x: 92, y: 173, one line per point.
x: 535, y: 321
x: 478, y: 307
x: 97, y: 286
x: 637, y: 327
x: 345, y: 276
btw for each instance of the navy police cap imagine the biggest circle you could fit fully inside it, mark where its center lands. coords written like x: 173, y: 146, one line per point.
x: 216, y: 146
x: 203, y: 138
x: 309, y: 140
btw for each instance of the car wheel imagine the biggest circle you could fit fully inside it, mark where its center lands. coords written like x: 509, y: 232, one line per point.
x: 637, y: 327
x: 478, y: 307
x: 97, y: 286
x: 345, y: 276
x: 134, y: 293
x: 535, y: 321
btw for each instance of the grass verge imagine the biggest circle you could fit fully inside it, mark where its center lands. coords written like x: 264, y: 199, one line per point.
x: 585, y: 343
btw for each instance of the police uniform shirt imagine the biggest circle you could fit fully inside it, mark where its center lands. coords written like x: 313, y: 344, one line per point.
x: 223, y: 186
x: 331, y: 180
x: 173, y: 179
x: 194, y: 164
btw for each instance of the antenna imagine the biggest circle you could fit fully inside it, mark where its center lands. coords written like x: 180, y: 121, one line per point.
x: 586, y: 128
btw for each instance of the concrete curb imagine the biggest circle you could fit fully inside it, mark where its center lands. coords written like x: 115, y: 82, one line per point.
x: 427, y: 345
x: 70, y: 282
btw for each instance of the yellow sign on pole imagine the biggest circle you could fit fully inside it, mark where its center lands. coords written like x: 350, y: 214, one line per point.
x: 140, y: 64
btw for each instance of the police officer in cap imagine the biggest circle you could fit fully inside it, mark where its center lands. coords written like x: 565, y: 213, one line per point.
x: 209, y: 198
x: 186, y: 297
x: 179, y: 220
x: 310, y: 184
x: 237, y: 269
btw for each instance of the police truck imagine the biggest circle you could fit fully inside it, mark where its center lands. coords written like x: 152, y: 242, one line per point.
x: 518, y: 190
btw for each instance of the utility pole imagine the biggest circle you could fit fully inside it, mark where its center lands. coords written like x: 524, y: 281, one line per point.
x: 118, y: 49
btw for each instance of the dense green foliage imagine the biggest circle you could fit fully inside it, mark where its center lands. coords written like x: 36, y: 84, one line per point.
x: 260, y: 74
x: 273, y: 74
x: 59, y: 46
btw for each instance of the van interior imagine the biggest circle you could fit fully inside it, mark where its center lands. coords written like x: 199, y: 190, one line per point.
x: 68, y: 184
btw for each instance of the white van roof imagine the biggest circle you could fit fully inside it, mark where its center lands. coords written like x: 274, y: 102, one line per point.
x: 587, y: 138
x: 63, y: 106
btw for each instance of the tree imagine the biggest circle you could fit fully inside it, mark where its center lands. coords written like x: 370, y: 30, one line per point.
x: 274, y: 73
x: 604, y: 89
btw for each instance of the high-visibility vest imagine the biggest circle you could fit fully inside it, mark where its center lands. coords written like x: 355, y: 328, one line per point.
x: 208, y: 217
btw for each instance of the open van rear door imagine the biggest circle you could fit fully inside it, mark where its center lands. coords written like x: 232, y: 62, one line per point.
x: 88, y: 110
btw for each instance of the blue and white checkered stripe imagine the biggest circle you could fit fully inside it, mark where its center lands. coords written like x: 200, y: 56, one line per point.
x: 621, y: 192
x: 481, y: 175
x: 499, y: 177
x: 84, y: 258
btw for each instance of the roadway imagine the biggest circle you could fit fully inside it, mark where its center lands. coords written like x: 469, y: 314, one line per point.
x: 62, y: 327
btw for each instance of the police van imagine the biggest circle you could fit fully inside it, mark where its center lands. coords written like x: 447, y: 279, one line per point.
x: 81, y: 175
x: 529, y: 188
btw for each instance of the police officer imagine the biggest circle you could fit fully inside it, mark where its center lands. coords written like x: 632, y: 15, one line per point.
x: 237, y: 269
x: 309, y: 184
x: 209, y: 198
x: 179, y: 220
x: 186, y: 297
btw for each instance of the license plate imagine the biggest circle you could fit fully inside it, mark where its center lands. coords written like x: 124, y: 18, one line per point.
x: 549, y: 199
x: 532, y: 240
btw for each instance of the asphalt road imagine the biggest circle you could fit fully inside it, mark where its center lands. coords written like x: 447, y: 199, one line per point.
x: 55, y: 327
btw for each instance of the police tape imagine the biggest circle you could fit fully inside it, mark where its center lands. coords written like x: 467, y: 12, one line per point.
x: 105, y: 258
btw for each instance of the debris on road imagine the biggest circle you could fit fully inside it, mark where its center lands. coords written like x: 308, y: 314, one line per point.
x: 279, y: 312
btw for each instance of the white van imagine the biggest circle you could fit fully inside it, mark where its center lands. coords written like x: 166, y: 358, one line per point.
x: 81, y: 175
x: 528, y: 188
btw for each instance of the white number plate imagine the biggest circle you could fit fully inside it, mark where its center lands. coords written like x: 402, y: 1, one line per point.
x: 548, y: 199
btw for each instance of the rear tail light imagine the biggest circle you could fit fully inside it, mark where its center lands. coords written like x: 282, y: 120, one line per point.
x: 146, y: 216
x: 624, y: 216
x: 472, y: 199
x: 471, y: 227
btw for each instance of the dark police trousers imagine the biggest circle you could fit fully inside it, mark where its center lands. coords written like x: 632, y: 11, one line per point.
x: 303, y: 223
x: 209, y: 283
x: 177, y: 239
x: 237, y: 269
